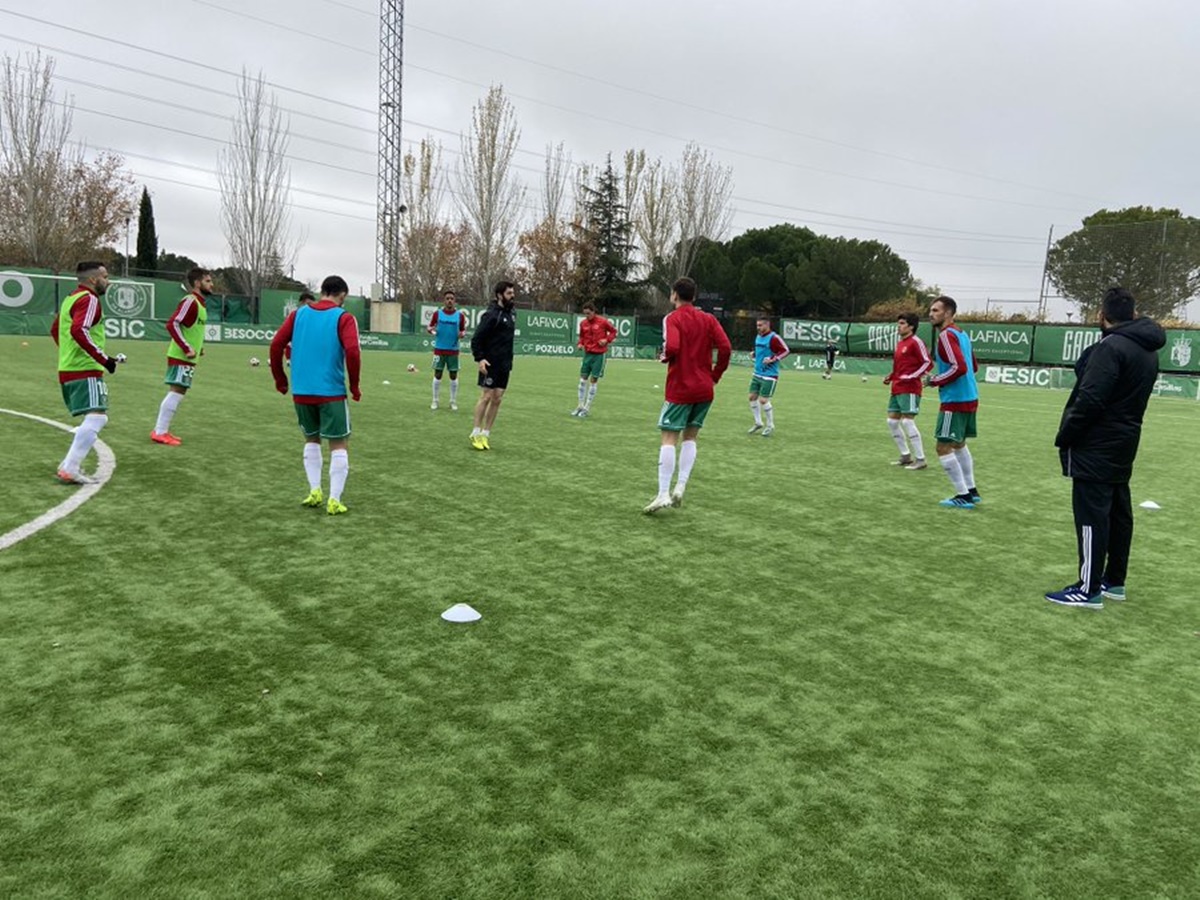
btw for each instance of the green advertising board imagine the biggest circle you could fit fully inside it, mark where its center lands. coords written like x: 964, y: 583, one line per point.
x: 1182, y: 352
x: 1000, y: 340
x: 806, y: 334
x: 38, y: 292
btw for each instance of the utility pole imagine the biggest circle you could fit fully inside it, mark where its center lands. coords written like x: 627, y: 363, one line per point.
x: 389, y: 203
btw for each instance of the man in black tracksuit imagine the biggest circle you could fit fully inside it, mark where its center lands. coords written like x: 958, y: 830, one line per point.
x: 1098, y: 440
x: 492, y: 347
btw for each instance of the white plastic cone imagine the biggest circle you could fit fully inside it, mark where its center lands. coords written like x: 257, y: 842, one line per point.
x: 1149, y: 504
x: 462, y: 612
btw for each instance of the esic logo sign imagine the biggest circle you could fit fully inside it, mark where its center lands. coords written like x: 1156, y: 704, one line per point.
x: 1017, y: 375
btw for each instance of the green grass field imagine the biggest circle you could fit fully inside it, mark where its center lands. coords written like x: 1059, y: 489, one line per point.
x: 810, y: 681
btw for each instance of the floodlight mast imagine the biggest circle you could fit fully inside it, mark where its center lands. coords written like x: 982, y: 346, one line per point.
x: 390, y: 201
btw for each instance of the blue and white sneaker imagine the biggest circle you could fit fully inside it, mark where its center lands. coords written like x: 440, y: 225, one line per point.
x: 975, y: 498
x: 1112, y: 591
x: 958, y: 502
x: 1073, y: 595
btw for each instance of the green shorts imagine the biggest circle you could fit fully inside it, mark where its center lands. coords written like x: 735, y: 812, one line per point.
x: 764, y: 387
x: 678, y: 416
x: 954, y: 427
x: 180, y: 376
x: 328, y: 420
x: 445, y: 363
x: 593, y: 365
x: 905, y: 404
x: 85, y: 395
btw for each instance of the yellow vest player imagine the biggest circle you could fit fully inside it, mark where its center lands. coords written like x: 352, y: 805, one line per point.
x: 186, y: 331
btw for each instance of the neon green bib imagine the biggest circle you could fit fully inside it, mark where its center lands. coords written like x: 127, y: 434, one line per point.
x: 72, y: 357
x: 193, y: 334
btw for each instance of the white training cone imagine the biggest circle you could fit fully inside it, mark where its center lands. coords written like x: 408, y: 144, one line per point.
x: 1149, y: 504
x: 462, y: 612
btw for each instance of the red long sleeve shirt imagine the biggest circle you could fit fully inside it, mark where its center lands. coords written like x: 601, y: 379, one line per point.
x: 690, y: 336
x: 347, y: 334
x: 910, y: 361
x: 184, y: 317
x: 593, y: 331
x: 85, y: 313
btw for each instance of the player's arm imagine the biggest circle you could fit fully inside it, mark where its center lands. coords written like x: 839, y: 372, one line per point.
x: 348, y: 333
x: 926, y: 363
x: 462, y: 325
x: 582, y: 326
x: 283, y: 337
x: 487, y: 324
x: 779, y: 350
x: 724, y: 350
x: 671, y: 340
x: 433, y: 320
x: 85, y: 313
x: 610, y: 333
x: 184, y: 316
x: 952, y: 353
x: 54, y: 330
x: 1091, y: 396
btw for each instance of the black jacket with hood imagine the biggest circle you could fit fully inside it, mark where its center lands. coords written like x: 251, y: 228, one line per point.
x: 1102, y: 423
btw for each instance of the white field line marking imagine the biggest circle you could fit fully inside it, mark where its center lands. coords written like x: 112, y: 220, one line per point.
x: 83, y: 493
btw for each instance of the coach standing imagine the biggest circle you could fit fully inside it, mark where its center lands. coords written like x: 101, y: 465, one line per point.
x: 1098, y: 441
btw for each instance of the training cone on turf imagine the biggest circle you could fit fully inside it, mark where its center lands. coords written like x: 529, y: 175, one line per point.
x: 462, y: 612
x: 1149, y: 504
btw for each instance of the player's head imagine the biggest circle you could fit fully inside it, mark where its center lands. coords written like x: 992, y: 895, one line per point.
x: 942, y: 311
x: 683, y: 291
x: 906, y: 323
x: 306, y: 297
x: 763, y: 324
x: 504, y: 291
x: 93, y: 276
x: 1117, y: 306
x: 200, y: 279
x: 589, y: 309
x: 335, y: 288
x: 449, y: 300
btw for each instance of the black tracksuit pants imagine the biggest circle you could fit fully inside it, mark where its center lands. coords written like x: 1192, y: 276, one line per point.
x: 1103, y: 531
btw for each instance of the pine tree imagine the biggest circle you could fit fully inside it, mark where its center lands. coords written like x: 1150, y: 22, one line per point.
x: 605, y: 246
x: 145, y: 263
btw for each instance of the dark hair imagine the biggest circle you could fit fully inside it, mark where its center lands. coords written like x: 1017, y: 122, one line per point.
x: 947, y: 303
x: 763, y: 317
x: 450, y: 292
x: 501, y: 287
x: 1117, y: 305
x: 307, y: 297
x: 195, y: 274
x: 334, y: 285
x: 911, y: 318
x: 684, y: 289
x: 90, y: 265
x: 589, y: 305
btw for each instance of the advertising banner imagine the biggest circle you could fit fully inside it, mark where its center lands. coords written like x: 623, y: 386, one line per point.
x: 804, y: 334
x: 1182, y: 352
x: 1027, y: 376
x: 1000, y: 340
x: 1058, y: 345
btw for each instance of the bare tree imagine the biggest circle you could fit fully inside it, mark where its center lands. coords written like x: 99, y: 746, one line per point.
x: 256, y: 184
x: 56, y: 207
x: 489, y: 195
x: 555, y: 181
x: 655, y: 222
x: 430, y: 250
x: 702, y: 207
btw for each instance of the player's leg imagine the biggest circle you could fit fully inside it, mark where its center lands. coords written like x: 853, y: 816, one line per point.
x: 335, y: 427
x: 1091, y: 502
x: 493, y: 409
x: 764, y: 398
x: 308, y: 416
x: 910, y: 407
x: 965, y: 460
x: 755, y: 406
x: 480, y: 411
x: 949, y: 439
x: 87, y: 397
x: 438, y: 366
x: 671, y: 422
x: 452, y: 365
x: 591, y: 394
x: 897, y: 429
x: 687, y: 455
x: 1120, y: 537
x: 178, y: 380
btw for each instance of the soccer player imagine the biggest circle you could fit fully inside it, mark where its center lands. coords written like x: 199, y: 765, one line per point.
x: 79, y: 333
x: 831, y: 352
x: 596, y: 335
x: 959, y: 396
x: 769, y: 349
x: 689, y: 338
x: 910, y: 363
x: 492, y: 347
x: 1097, y: 442
x: 186, y: 330
x: 447, y: 325
x: 324, y: 341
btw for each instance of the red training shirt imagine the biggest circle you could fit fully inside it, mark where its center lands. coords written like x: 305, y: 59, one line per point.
x: 85, y: 313
x: 689, y: 337
x: 591, y: 333
x: 910, y: 362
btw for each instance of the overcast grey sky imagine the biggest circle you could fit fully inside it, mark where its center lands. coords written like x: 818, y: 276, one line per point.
x: 958, y: 133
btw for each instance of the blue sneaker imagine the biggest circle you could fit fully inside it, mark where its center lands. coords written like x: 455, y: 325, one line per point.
x: 1112, y: 591
x: 957, y: 503
x: 975, y: 498
x: 1073, y: 595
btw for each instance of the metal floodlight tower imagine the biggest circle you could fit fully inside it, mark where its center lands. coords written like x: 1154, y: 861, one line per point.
x: 390, y: 202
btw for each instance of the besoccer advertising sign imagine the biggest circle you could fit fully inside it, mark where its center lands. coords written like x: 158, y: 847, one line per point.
x: 805, y: 334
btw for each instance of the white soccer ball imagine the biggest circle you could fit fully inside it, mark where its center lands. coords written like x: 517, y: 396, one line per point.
x: 411, y: 367
x: 254, y: 361
x: 864, y: 378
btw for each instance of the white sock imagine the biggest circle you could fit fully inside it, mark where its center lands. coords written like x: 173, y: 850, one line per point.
x: 582, y: 391
x: 914, y: 437
x: 963, y: 455
x: 485, y: 432
x: 339, y: 468
x: 166, y: 411
x: 954, y: 470
x: 687, y: 459
x: 85, y: 436
x: 666, y: 467
x: 756, y: 408
x: 312, y: 464
x: 437, y: 388
x: 898, y: 435
x: 454, y: 390
x: 770, y: 411
x: 475, y: 432
x: 591, y: 395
